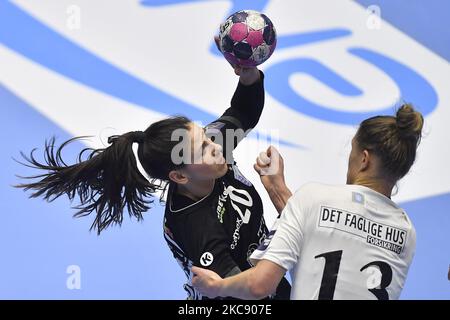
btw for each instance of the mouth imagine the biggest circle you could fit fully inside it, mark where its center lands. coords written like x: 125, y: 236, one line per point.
x: 221, y: 160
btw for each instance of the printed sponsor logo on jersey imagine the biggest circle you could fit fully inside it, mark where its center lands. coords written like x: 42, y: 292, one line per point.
x: 267, y: 239
x: 236, y: 234
x: 251, y: 249
x: 206, y: 259
x: 378, y: 234
x: 263, y: 246
x: 239, y: 198
x: 220, y: 212
x: 262, y: 231
x: 221, y: 205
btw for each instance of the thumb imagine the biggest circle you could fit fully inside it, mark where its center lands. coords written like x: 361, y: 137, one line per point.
x: 237, y: 70
x: 272, y: 151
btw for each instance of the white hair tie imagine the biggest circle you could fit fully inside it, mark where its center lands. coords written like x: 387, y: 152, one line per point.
x: 141, y: 169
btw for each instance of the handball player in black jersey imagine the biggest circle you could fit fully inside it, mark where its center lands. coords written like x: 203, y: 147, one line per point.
x: 214, y: 215
x: 221, y: 226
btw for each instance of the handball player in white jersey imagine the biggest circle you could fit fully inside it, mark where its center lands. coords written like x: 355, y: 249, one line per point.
x: 338, y: 241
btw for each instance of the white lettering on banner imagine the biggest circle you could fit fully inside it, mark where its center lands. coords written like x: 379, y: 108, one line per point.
x: 36, y: 83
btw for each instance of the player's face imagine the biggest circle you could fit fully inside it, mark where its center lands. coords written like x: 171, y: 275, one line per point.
x: 353, y: 164
x: 208, y: 161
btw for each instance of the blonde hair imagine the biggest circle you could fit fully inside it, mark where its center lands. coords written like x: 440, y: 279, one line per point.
x: 394, y: 139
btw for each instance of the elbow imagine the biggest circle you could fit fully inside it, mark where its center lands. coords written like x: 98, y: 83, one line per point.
x: 252, y: 123
x: 257, y: 293
x: 258, y: 289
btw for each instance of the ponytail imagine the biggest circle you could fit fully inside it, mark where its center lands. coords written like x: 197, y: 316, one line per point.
x: 106, y: 182
x: 409, y: 123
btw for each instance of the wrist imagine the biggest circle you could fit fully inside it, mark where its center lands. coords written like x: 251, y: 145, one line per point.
x: 220, y: 288
x: 278, y: 188
x: 277, y: 182
x: 253, y: 76
x: 279, y: 195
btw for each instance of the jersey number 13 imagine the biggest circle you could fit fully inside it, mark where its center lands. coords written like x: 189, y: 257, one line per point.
x: 331, y: 270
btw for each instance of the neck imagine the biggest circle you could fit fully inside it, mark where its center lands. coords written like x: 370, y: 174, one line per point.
x: 196, y: 190
x: 378, y: 185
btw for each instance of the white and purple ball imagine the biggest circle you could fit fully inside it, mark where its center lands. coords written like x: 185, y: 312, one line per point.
x: 247, y: 38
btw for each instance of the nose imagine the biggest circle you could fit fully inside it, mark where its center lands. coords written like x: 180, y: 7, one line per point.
x: 217, y: 148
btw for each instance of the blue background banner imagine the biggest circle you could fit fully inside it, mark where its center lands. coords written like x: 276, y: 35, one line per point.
x: 41, y: 245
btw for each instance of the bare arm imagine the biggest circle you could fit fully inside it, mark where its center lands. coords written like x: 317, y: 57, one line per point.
x: 254, y: 283
x: 279, y: 195
x: 270, y: 167
x: 246, y: 107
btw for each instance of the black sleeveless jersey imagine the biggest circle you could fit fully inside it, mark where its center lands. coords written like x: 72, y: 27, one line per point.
x: 221, y: 230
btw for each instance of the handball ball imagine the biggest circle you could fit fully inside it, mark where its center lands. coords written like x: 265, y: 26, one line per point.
x: 247, y: 38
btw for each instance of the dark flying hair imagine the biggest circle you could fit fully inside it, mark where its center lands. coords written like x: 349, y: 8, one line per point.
x: 109, y: 180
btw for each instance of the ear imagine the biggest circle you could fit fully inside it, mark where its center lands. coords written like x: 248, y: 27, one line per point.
x: 178, y: 177
x: 364, y: 165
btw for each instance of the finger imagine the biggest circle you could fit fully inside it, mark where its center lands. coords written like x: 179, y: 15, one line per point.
x: 264, y: 158
x: 258, y: 169
x: 272, y: 150
x: 262, y: 171
x: 217, y: 41
x: 269, y: 151
x: 260, y: 163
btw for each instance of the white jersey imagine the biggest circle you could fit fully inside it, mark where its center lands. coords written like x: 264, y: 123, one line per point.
x: 341, y: 242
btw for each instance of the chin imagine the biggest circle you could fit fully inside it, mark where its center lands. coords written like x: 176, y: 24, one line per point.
x: 222, y: 170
